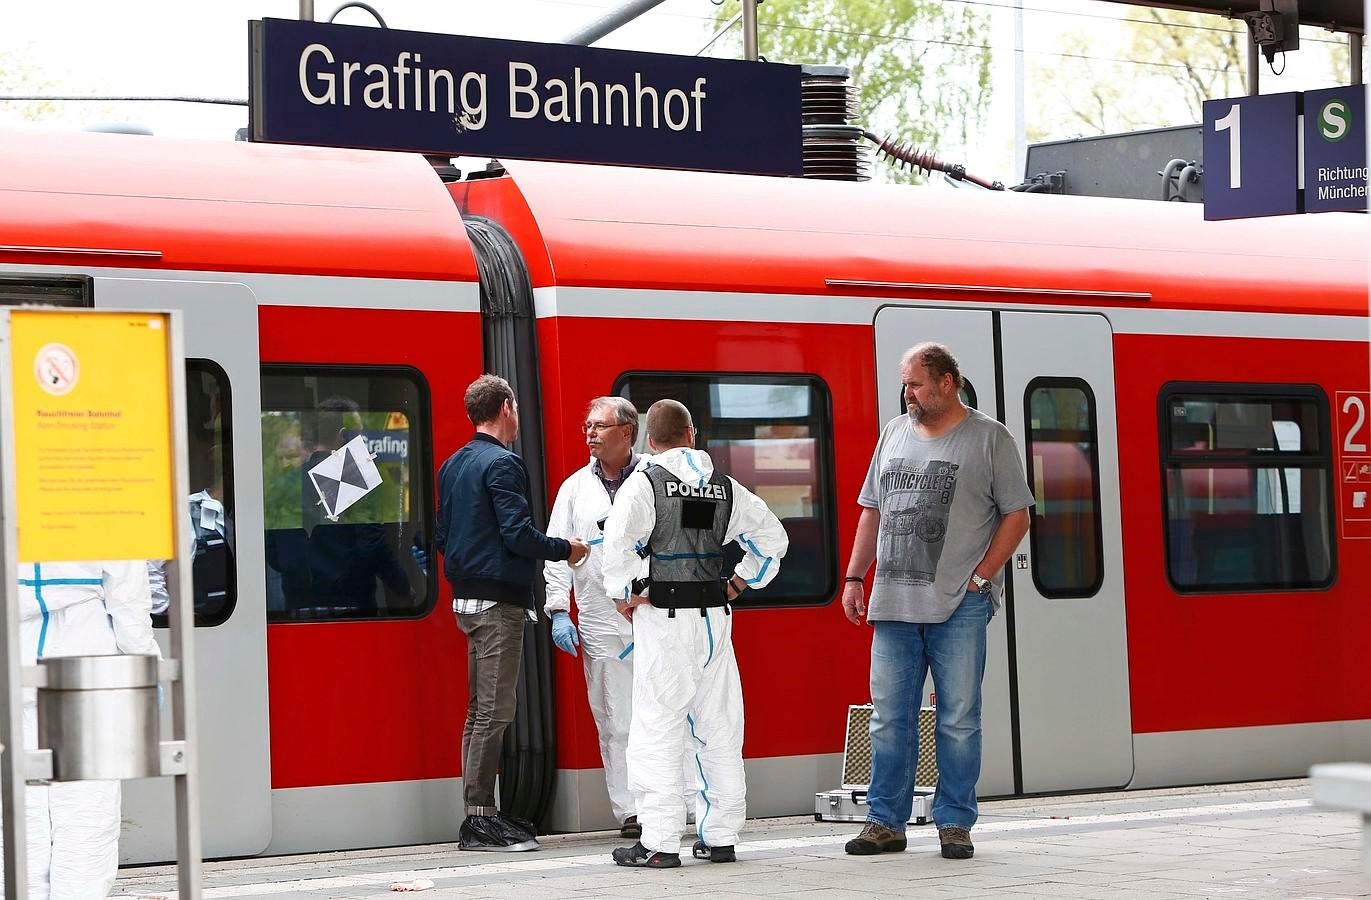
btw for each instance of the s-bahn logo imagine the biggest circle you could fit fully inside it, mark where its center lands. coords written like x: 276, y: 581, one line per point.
x: 1335, y: 120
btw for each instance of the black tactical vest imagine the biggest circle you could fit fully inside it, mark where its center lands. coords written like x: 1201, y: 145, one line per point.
x: 687, y: 561
x: 211, y: 566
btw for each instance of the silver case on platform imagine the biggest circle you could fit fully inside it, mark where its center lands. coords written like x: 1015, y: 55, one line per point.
x: 848, y: 803
x: 850, y: 806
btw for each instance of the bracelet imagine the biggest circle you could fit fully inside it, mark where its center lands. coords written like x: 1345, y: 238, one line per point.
x: 855, y: 578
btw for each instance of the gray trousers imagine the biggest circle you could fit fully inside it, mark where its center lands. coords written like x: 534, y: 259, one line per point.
x: 495, y: 649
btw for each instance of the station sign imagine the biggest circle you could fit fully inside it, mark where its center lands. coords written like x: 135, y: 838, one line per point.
x: 384, y: 89
x: 1251, y: 156
x: 1335, y: 149
x: 1278, y: 154
x: 1354, y: 463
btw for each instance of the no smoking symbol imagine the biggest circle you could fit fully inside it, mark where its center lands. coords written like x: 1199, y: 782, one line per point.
x: 56, y: 368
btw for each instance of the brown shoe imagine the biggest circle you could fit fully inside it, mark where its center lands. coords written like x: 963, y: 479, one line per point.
x: 876, y: 838
x: 956, y: 842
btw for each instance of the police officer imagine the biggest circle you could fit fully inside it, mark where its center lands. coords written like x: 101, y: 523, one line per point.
x: 679, y: 513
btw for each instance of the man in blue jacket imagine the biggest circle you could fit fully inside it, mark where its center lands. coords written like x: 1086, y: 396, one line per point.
x: 491, y: 552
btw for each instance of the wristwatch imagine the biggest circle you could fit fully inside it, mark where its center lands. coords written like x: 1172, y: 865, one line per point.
x: 982, y: 585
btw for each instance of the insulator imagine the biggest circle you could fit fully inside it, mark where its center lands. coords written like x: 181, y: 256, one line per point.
x: 906, y: 155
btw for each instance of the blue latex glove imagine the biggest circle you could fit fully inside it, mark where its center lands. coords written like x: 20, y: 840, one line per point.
x: 420, y: 557
x: 564, y: 633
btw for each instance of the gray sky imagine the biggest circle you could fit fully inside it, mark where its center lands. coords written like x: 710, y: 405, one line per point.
x: 200, y: 48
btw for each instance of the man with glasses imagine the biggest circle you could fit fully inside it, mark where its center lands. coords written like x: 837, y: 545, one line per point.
x: 605, y: 636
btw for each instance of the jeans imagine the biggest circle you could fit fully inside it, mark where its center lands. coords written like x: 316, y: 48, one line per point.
x: 901, y: 655
x: 495, y: 649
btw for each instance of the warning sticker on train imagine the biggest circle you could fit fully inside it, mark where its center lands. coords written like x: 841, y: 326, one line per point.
x: 56, y: 368
x: 347, y: 475
x: 1354, y: 463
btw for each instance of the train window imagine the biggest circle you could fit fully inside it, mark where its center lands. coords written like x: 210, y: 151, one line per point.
x: 346, y: 476
x: 47, y: 290
x: 773, y: 433
x: 1063, y: 470
x: 967, y: 393
x: 1247, y: 480
x: 210, y: 549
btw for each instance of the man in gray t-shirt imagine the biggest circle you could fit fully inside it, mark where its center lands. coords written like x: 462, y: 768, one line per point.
x: 944, y: 505
x: 940, y: 501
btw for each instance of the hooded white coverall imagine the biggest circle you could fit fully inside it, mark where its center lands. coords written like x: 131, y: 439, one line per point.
x: 685, y: 668
x: 607, y: 648
x: 77, y: 609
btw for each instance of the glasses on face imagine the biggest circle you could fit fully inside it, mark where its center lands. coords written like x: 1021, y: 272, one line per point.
x: 595, y: 427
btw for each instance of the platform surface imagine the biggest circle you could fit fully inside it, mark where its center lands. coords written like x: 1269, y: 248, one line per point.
x: 1262, y: 840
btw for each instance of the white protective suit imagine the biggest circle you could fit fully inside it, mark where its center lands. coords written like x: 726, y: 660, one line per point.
x: 77, y: 609
x: 607, y: 648
x: 685, y: 668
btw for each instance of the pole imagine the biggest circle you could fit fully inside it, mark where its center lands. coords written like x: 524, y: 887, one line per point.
x: 611, y: 21
x: 181, y: 623
x: 723, y: 29
x: 1020, y: 118
x: 750, y: 29
x: 307, y: 10
x: 1354, y: 49
x: 1253, y: 66
x: 13, y: 761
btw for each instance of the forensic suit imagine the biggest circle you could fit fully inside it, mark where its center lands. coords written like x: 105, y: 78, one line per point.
x: 680, y: 512
x: 607, y: 649
x: 77, y: 609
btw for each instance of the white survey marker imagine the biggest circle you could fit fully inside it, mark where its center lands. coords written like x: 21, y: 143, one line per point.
x: 348, y: 475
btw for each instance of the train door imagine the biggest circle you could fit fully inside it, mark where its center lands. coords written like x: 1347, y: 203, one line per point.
x: 1056, y: 707
x: 971, y: 336
x: 1071, y: 660
x: 224, y: 441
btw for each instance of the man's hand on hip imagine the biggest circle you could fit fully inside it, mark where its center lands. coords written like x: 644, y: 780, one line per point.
x: 626, y: 607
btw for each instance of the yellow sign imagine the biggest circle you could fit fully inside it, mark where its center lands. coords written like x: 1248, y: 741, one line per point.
x: 92, y: 435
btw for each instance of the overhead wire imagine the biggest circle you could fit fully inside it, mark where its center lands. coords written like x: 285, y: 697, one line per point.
x: 1239, y: 29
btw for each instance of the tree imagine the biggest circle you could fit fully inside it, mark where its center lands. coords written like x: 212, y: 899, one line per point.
x: 922, y: 66
x: 18, y: 77
x: 1158, y: 71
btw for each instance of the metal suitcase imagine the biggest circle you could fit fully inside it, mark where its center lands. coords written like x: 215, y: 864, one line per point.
x: 848, y: 803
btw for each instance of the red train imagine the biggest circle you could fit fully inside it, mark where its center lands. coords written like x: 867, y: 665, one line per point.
x: 1191, y: 398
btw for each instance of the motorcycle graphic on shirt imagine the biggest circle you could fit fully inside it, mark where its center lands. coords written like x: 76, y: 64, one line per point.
x: 916, y: 498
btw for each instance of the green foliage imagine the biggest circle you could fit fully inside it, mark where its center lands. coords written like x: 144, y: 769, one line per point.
x: 922, y: 66
x: 286, y: 487
x: 1154, y: 70
x: 20, y: 77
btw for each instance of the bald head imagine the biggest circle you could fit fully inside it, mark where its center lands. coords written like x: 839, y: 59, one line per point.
x: 668, y: 425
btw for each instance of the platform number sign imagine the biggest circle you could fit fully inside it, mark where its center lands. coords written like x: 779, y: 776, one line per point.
x: 1354, y: 463
x: 1251, y: 156
x: 1335, y: 149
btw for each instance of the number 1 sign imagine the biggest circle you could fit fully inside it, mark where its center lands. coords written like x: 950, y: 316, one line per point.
x: 1251, y: 156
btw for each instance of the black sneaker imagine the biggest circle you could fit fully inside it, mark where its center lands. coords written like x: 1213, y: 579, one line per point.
x: 494, y: 833
x: 631, y: 829
x: 639, y: 856
x: 701, y: 850
x: 875, y: 839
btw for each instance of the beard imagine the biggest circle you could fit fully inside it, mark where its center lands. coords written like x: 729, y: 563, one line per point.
x: 916, y: 413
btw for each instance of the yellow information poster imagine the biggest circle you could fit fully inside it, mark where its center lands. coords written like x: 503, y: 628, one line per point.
x: 92, y: 435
